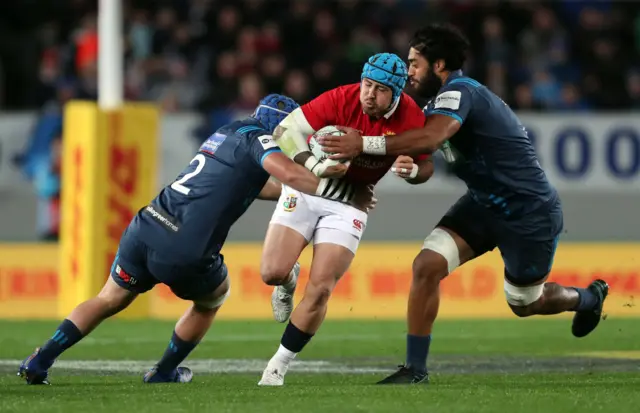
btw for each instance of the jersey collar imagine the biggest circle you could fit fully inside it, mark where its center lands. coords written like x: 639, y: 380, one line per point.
x: 393, y: 108
x: 453, y: 75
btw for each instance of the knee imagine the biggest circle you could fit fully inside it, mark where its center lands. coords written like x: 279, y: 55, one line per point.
x: 523, y: 311
x: 210, y: 304
x: 439, y: 257
x: 524, y: 301
x: 274, y: 273
x: 317, y: 294
x: 429, y: 267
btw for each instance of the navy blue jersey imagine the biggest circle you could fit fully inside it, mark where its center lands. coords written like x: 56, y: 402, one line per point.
x: 190, y: 219
x: 491, y: 152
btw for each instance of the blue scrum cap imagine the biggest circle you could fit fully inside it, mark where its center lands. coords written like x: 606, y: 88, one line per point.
x: 388, y: 69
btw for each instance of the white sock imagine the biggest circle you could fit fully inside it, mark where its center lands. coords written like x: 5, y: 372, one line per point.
x: 283, y: 357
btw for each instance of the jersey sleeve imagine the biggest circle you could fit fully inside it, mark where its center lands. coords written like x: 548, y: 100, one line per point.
x: 261, y: 147
x: 454, y: 100
x: 323, y: 110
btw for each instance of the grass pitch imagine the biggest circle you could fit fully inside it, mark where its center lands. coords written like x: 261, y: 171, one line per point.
x: 528, y: 365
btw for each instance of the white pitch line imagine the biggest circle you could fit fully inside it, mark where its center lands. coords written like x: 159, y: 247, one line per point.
x: 210, y: 366
x: 230, y: 338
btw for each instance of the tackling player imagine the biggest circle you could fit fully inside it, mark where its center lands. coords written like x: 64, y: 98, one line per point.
x: 509, y: 204
x: 176, y: 239
x: 376, y: 105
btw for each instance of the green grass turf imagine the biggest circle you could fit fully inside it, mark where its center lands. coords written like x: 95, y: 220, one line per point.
x: 455, y: 388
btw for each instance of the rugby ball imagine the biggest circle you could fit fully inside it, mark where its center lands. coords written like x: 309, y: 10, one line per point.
x: 316, y: 148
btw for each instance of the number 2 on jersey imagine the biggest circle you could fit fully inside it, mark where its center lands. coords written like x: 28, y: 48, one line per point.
x: 178, y: 185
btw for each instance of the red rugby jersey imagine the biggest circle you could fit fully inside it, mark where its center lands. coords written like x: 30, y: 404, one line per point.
x: 341, y: 106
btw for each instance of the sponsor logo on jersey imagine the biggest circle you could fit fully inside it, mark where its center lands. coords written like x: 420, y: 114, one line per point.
x: 162, y: 217
x: 212, y: 144
x: 267, y: 142
x: 370, y: 162
x: 357, y: 224
x: 124, y: 276
x: 448, y: 100
x: 290, y: 203
x: 388, y: 133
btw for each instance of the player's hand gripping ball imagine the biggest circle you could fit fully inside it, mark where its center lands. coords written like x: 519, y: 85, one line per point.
x: 315, y: 146
x: 330, y: 168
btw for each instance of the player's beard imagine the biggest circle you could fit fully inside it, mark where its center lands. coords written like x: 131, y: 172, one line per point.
x: 428, y: 86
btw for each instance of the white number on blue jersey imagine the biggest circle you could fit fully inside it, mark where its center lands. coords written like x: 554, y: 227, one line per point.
x: 178, y: 185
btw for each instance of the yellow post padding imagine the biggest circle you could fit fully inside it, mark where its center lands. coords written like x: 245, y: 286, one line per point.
x: 109, y: 172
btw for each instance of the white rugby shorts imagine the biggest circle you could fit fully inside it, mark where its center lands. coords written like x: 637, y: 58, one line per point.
x: 320, y: 220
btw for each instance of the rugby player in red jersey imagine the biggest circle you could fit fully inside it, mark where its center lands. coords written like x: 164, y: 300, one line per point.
x: 376, y: 106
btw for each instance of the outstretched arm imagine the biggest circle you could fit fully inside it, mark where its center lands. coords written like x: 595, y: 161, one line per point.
x: 425, y: 140
x: 443, y: 120
x: 438, y: 128
x: 299, y: 178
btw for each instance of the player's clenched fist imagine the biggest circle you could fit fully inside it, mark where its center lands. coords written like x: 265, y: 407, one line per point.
x: 404, y: 167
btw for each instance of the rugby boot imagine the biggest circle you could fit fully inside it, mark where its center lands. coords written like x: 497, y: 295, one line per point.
x: 282, y: 299
x: 273, y: 376
x: 179, y: 375
x: 406, y: 375
x: 585, y: 322
x: 31, y: 371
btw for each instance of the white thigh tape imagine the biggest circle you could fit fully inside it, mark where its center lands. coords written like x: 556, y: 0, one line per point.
x: 216, y: 302
x: 522, y: 296
x: 442, y: 242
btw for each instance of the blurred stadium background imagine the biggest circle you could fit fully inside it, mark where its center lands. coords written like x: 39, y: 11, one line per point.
x: 570, y: 68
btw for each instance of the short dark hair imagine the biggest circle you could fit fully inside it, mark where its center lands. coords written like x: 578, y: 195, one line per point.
x: 442, y: 41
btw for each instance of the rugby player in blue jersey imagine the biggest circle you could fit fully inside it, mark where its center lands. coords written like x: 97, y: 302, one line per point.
x: 177, y: 238
x: 509, y: 203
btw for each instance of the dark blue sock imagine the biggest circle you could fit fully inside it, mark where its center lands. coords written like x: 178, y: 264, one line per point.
x: 294, y: 339
x: 65, y: 336
x: 176, y: 352
x: 588, y: 299
x: 417, y: 351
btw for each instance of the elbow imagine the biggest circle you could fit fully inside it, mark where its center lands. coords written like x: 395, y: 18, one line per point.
x: 417, y: 181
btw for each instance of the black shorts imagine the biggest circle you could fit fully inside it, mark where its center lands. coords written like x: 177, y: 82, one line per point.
x: 527, y: 244
x: 138, y: 268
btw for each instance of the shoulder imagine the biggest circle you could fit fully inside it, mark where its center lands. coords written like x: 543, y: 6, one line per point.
x: 344, y: 98
x: 408, y: 110
x: 351, y: 88
x: 460, y: 91
x: 462, y: 85
x: 338, y: 96
x: 250, y: 128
